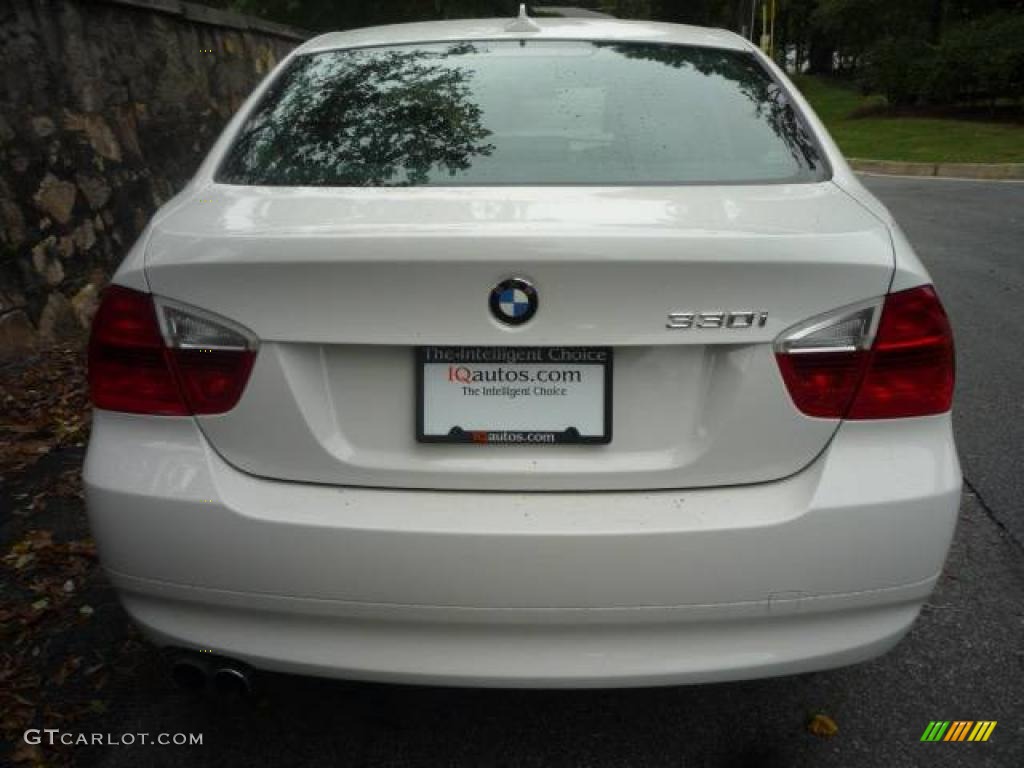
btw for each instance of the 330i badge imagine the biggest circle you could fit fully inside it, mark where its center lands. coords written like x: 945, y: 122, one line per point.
x: 717, y: 319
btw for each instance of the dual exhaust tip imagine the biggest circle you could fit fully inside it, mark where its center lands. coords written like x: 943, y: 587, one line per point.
x: 191, y: 672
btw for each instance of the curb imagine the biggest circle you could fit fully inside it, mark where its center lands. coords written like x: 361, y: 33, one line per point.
x: 989, y: 171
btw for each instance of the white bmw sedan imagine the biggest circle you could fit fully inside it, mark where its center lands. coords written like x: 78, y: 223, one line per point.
x: 523, y: 353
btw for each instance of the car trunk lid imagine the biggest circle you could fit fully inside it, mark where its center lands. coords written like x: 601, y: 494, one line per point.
x: 342, y: 285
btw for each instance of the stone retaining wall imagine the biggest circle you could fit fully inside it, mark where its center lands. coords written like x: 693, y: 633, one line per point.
x: 106, y: 109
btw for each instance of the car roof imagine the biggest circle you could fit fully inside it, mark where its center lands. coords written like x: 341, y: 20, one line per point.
x: 541, y: 28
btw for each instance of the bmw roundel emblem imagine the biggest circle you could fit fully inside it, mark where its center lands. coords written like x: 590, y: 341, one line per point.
x: 513, y: 301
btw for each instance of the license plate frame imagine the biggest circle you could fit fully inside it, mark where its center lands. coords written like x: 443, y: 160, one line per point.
x: 519, y: 359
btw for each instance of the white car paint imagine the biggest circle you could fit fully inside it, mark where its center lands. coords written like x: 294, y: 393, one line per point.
x: 722, y: 534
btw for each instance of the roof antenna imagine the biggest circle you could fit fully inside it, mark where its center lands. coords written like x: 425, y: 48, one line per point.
x: 523, y: 23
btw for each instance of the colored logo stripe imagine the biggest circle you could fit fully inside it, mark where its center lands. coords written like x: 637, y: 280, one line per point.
x: 982, y: 730
x: 958, y: 730
x: 935, y: 730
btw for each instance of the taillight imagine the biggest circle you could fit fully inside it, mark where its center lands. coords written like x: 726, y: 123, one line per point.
x: 211, y: 355
x: 877, y: 360
x: 129, y: 369
x: 155, y: 356
x: 912, y: 369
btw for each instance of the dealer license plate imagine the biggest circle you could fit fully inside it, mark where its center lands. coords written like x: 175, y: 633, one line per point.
x: 514, y: 395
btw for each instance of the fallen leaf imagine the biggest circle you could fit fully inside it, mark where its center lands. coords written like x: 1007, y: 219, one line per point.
x: 23, y: 560
x: 823, y: 726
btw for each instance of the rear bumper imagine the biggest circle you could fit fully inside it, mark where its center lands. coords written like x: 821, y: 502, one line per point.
x: 824, y: 568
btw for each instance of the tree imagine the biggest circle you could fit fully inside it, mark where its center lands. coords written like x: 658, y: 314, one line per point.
x: 912, y: 50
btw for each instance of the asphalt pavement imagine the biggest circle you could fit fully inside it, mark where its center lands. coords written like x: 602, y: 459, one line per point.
x: 964, y: 659
x: 970, y: 235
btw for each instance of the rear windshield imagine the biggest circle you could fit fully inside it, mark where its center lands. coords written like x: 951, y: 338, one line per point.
x: 523, y: 112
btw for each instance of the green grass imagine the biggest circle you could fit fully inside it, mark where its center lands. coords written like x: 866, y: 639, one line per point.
x: 915, y: 139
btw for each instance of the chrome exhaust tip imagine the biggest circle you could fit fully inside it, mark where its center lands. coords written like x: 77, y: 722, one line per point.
x: 232, y: 681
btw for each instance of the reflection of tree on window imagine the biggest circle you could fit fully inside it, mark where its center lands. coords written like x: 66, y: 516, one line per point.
x: 523, y: 112
x: 768, y: 98
x: 360, y: 118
